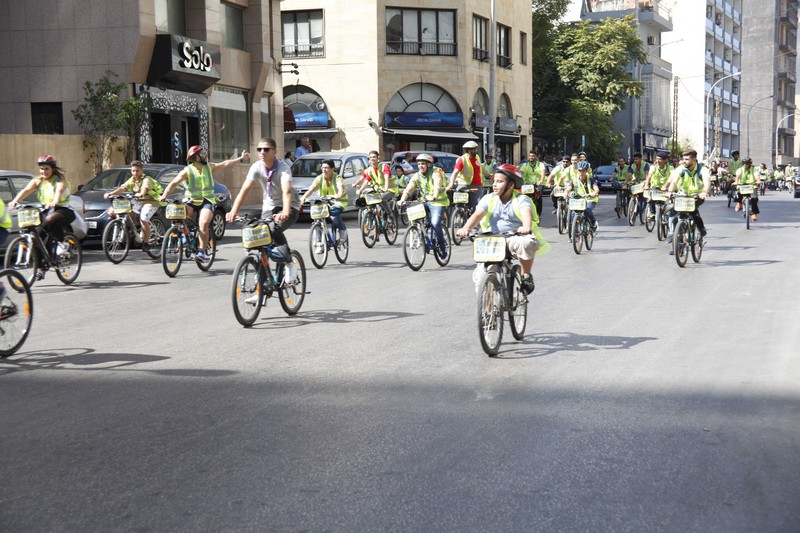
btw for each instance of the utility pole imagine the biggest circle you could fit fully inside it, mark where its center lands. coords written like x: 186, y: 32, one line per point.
x: 675, y: 118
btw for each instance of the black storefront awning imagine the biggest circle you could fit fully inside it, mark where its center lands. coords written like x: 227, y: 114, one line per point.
x: 506, y: 138
x: 439, y: 134
x: 184, y: 64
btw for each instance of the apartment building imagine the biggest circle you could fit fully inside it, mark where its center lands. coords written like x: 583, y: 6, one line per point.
x: 708, y: 65
x: 391, y: 76
x: 645, y: 121
x: 769, y: 77
x: 207, y: 66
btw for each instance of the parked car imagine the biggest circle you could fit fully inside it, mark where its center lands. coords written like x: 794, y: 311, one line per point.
x: 603, y: 176
x: 108, y: 180
x: 12, y: 181
x: 444, y: 159
x: 349, y: 165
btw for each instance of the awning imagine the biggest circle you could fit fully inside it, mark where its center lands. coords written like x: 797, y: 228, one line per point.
x: 322, y: 133
x: 453, y: 134
x: 506, y: 138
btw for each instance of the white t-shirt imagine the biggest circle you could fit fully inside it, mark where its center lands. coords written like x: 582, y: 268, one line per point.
x: 272, y: 183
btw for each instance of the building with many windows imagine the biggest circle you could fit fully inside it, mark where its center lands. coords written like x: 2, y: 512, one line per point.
x: 207, y: 67
x: 391, y: 76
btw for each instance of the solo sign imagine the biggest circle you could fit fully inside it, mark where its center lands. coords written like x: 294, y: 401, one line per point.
x: 195, y: 58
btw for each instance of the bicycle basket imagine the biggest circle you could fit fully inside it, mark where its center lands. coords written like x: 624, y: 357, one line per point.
x: 637, y: 188
x: 256, y: 236
x: 658, y: 196
x: 372, y: 197
x: 745, y: 189
x: 558, y: 192
x: 416, y: 212
x: 528, y: 188
x: 460, y: 197
x: 320, y: 210
x: 489, y: 249
x: 577, y: 204
x: 684, y: 204
x: 176, y: 211
x: 121, y: 206
x: 28, y: 218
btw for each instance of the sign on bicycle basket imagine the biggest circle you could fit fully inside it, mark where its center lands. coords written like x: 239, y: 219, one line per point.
x: 416, y: 212
x: 320, y: 211
x: 489, y: 249
x: 684, y: 204
x: 176, y: 211
x: 257, y: 236
x: 121, y: 206
x: 558, y: 192
x: 528, y: 188
x: 658, y: 196
x: 745, y: 189
x: 637, y: 188
x: 460, y: 197
x: 577, y: 204
x: 373, y: 197
x: 28, y: 218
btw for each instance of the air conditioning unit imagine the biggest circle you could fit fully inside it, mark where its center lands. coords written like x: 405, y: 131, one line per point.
x: 651, y: 40
x: 718, y: 19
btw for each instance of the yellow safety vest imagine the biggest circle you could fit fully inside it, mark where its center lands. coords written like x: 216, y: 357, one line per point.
x: 332, y: 188
x: 200, y: 186
x: 47, y: 191
x: 426, y: 185
x: 5, y: 218
x: 464, y: 177
x: 517, y: 199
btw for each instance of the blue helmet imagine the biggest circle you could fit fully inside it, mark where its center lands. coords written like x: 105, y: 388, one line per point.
x: 583, y: 165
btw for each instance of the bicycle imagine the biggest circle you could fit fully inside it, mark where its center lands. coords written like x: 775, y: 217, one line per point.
x: 534, y: 192
x: 582, y: 230
x: 746, y: 191
x: 685, y: 234
x: 375, y: 220
x: 118, y: 233
x: 658, y: 219
x: 16, y: 311
x: 320, y: 239
x: 254, y: 282
x: 562, y: 209
x: 420, y: 238
x: 623, y: 195
x: 634, y: 203
x: 182, y: 240
x: 461, y: 211
x: 499, y: 292
x: 28, y: 254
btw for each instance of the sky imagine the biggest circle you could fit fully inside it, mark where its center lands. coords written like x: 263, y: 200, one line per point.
x: 573, y: 11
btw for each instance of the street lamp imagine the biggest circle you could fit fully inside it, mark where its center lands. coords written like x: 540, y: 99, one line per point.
x: 748, y: 122
x: 775, y: 162
x: 710, y: 92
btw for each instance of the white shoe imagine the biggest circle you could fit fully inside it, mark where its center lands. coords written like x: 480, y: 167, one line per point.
x: 477, y: 276
x: 137, y: 237
x: 253, y: 300
x: 62, y: 248
x: 290, y: 279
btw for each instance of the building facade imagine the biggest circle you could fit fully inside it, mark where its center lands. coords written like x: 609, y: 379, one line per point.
x: 768, y: 94
x: 646, y: 121
x: 412, y: 75
x: 708, y: 104
x: 206, y: 67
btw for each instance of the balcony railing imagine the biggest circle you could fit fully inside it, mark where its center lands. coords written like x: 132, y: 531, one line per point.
x: 415, y: 48
x: 303, y: 50
x: 480, y: 54
x: 503, y: 61
x: 789, y: 17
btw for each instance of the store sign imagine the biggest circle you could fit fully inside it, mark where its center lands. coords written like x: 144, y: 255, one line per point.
x: 195, y: 58
x: 311, y: 120
x: 424, y: 120
x: 184, y: 64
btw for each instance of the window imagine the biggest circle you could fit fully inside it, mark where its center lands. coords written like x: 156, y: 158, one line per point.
x: 302, y: 34
x: 503, y: 46
x: 233, y: 27
x: 47, y: 118
x: 480, y: 39
x: 523, y: 48
x: 420, y: 31
x: 230, y: 124
x: 266, y: 115
x: 171, y: 16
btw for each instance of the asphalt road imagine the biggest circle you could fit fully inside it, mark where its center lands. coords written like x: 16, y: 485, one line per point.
x: 644, y: 397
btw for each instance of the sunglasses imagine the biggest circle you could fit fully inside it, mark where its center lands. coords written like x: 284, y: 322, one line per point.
x: 267, y: 149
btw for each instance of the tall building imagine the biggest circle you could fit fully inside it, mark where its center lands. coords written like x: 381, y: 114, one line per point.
x: 208, y: 69
x: 769, y: 76
x: 646, y: 121
x: 707, y: 65
x: 410, y: 75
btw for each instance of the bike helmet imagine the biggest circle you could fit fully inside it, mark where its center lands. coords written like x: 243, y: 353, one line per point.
x: 747, y: 161
x: 425, y: 157
x: 192, y: 152
x: 47, y: 160
x: 470, y: 144
x: 583, y: 165
x: 510, y: 171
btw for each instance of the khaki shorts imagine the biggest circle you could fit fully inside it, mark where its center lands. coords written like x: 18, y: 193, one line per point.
x: 523, y: 246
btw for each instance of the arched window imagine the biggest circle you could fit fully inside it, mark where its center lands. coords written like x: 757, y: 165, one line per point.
x: 423, y: 105
x: 308, y: 107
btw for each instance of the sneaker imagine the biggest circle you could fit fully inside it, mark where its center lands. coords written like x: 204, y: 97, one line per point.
x: 527, y: 284
x: 754, y: 218
x: 669, y: 238
x: 703, y: 232
x: 137, y: 237
x: 671, y: 251
x: 289, y: 280
x: 253, y: 300
x: 443, y: 253
x: 738, y: 207
x: 554, y: 211
x: 62, y: 248
x: 145, y: 246
x: 596, y: 226
x: 201, y: 256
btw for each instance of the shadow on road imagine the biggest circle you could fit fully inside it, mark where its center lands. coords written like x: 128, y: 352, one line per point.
x: 116, y: 284
x: 542, y: 344
x: 743, y: 262
x: 329, y: 316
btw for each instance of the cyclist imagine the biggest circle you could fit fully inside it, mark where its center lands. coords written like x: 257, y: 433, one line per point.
x: 534, y: 172
x: 279, y: 199
x: 506, y: 210
x: 468, y: 170
x: 620, y: 172
x: 381, y: 179
x: 583, y: 157
x: 53, y: 191
x: 557, y: 178
x: 588, y: 187
x: 145, y: 200
x: 331, y: 184
x: 430, y: 182
x: 658, y: 176
x: 199, y: 179
x: 637, y: 172
x: 746, y: 176
x: 734, y: 164
x: 691, y: 177
x: 487, y: 169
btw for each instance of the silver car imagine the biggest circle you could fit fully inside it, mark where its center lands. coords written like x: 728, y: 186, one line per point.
x: 349, y: 165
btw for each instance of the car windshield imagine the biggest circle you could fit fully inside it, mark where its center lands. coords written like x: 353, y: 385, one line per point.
x: 311, y: 167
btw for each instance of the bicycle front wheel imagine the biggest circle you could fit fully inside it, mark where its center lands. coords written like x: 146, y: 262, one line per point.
x: 448, y: 247
x: 650, y: 221
x: 414, y: 247
x: 747, y: 213
x: 172, y: 251
x: 369, y: 228
x: 116, y: 241
x: 22, y: 256
x: 588, y: 234
x: 16, y: 311
x: 518, y: 310
x: 661, y: 226
x: 577, y: 235
x: 246, y: 291
x: 318, y: 245
x: 562, y: 222
x: 458, y: 222
x: 293, y: 291
x: 490, y: 315
x: 68, y: 264
x: 632, y: 211
x: 680, y: 243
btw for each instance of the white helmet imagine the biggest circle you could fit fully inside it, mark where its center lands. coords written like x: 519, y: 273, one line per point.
x: 470, y: 144
x: 425, y: 157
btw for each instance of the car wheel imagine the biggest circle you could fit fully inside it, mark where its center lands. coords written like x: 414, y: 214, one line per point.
x: 218, y: 225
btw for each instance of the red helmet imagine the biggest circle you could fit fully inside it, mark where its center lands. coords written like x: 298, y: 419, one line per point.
x: 192, y: 152
x: 47, y: 160
x: 510, y: 171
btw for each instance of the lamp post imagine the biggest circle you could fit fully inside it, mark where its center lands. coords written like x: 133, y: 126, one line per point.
x: 748, y: 122
x: 775, y: 161
x: 710, y: 92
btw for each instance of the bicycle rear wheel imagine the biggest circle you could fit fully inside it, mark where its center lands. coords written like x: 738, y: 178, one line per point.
x: 246, y: 291
x: 448, y: 246
x: 391, y: 228
x: 16, y: 311
x: 341, y: 245
x: 318, y: 245
x: 116, y: 241
x: 293, y: 290
x: 697, y: 246
x: 68, y: 264
x: 661, y: 227
x: 518, y: 310
x: 490, y: 315
x: 211, y: 254
x: 22, y: 256
x: 414, y: 247
x: 157, y: 228
x: 172, y: 251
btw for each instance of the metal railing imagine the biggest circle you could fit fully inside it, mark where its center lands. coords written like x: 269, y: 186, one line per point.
x: 420, y: 48
x: 303, y: 50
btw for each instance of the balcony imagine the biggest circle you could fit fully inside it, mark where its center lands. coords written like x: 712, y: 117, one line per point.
x: 293, y: 51
x: 503, y: 61
x: 480, y: 54
x: 786, y: 132
x: 789, y: 17
x: 786, y: 48
x: 417, y: 48
x: 654, y: 13
x: 787, y: 75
